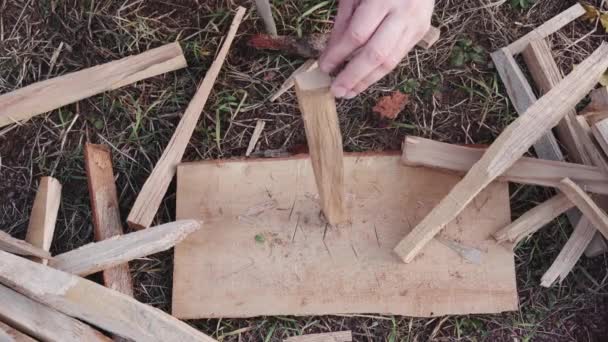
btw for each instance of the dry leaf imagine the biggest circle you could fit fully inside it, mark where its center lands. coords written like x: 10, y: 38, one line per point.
x: 390, y: 106
x: 591, y: 13
x: 604, y: 21
x: 604, y: 79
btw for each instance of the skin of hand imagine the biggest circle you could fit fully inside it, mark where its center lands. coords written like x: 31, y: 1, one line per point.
x: 375, y: 35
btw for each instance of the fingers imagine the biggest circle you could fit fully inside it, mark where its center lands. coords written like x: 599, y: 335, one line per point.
x: 381, y: 53
x: 407, y: 43
x: 363, y: 23
x: 346, y: 8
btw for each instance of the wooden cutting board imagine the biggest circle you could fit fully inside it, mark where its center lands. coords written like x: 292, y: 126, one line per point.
x: 265, y: 248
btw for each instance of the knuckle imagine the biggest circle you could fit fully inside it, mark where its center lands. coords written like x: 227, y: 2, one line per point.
x: 377, y: 56
x: 357, y: 37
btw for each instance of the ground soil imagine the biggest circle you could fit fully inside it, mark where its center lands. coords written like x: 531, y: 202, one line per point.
x: 455, y: 103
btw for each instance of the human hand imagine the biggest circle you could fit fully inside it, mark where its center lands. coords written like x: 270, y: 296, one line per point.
x: 376, y: 34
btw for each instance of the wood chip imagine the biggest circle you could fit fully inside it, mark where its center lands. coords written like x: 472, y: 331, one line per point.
x: 44, y: 214
x: 257, y: 132
x: 341, y: 336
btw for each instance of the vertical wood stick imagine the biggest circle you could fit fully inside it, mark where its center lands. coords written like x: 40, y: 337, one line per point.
x: 257, y: 132
x: 265, y: 12
x: 48, y: 95
x: 44, y: 214
x: 318, y: 108
x: 152, y: 193
x: 93, y: 303
x: 510, y: 145
x: 106, y: 213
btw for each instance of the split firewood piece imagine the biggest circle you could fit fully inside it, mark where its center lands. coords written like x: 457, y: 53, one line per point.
x: 10, y: 334
x: 600, y: 132
x: 522, y: 97
x: 534, y: 219
x: 16, y: 246
x: 44, y: 214
x: 43, y: 322
x: 572, y: 135
x: 106, y: 213
x: 320, y: 116
x: 93, y: 303
x: 313, y: 45
x: 152, y: 193
x: 341, y: 336
x: 257, y: 132
x: 593, y: 150
x: 265, y: 12
x: 98, y: 256
x: 571, y: 252
x: 54, y: 93
x: 549, y: 27
x: 585, y: 204
x: 429, y: 153
x: 510, y: 145
x: 289, y: 82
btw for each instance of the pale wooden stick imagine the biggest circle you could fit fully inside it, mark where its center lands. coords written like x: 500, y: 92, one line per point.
x: 600, y: 132
x: 571, y: 252
x: 265, y: 12
x: 290, y: 81
x: 106, y: 213
x: 585, y: 204
x: 318, y: 108
x: 534, y: 219
x: 42, y: 322
x: 98, y: 256
x: 581, y: 149
x: 44, y: 214
x: 151, y: 195
x: 429, y: 153
x: 257, y: 132
x: 48, y: 95
x: 340, y: 336
x: 549, y: 27
x: 16, y: 246
x: 93, y: 303
x: 507, y: 149
x: 10, y: 334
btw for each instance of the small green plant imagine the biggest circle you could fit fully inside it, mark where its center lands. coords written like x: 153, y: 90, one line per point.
x: 259, y: 238
x: 410, y: 85
x: 521, y: 4
x: 465, y: 52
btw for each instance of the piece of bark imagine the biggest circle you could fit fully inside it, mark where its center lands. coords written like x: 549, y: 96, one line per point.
x: 585, y: 204
x: 98, y: 256
x: 44, y: 215
x: 320, y: 116
x: 510, y: 145
x: 10, y: 334
x: 106, y: 213
x: 54, y: 93
x: 534, y: 219
x: 308, y: 65
x: 265, y: 12
x: 313, y: 45
x: 151, y: 195
x: 257, y: 132
x: 93, y: 303
x: 340, y: 336
x: 16, y: 246
x: 429, y: 153
x: 43, y: 322
x: 549, y: 27
x: 546, y: 75
x: 571, y: 252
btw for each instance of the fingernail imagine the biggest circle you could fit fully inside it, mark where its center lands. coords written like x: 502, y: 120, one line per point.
x: 339, y: 91
x: 350, y: 95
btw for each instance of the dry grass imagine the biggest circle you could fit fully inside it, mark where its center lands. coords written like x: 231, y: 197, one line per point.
x: 42, y: 39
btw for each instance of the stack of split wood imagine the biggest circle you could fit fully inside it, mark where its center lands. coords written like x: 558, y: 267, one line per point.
x: 579, y: 169
x: 46, y: 297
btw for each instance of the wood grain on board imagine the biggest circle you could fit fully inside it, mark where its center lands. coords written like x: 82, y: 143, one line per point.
x: 265, y: 250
